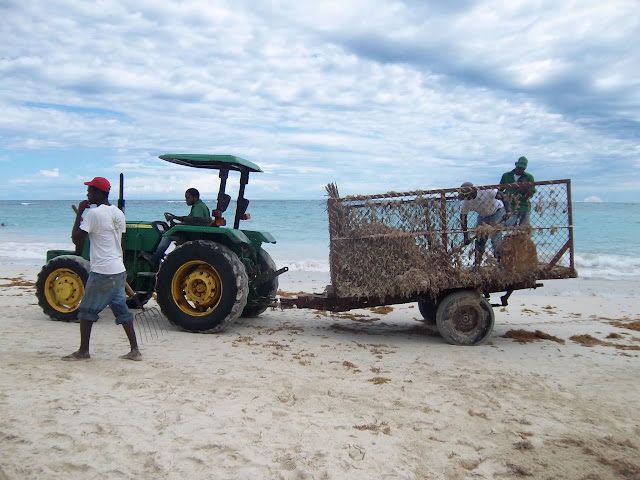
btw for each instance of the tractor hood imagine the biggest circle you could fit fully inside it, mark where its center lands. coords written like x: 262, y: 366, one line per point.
x: 217, y: 162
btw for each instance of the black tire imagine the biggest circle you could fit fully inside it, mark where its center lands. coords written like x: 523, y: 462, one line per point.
x: 142, y: 299
x: 428, y: 309
x: 267, y: 291
x: 465, y: 318
x: 202, y: 286
x: 60, y: 286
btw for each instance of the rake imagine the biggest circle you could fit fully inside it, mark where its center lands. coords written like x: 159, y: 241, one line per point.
x: 150, y: 321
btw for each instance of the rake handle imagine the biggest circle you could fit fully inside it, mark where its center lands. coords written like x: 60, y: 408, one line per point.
x: 132, y: 293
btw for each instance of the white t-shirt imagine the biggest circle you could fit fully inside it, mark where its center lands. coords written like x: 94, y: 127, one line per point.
x: 105, y: 226
x: 485, y: 203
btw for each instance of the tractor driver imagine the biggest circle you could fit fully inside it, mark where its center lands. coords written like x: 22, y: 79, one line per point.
x: 199, y: 215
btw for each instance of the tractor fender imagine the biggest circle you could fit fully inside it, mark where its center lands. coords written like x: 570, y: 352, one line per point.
x: 259, y: 237
x: 195, y: 232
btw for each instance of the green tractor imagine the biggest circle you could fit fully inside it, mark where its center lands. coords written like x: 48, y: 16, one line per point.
x: 213, y: 276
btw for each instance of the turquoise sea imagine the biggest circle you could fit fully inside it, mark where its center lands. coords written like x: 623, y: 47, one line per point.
x: 605, y: 234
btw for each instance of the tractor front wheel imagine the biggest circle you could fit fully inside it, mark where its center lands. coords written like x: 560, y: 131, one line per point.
x: 60, y: 286
x: 465, y: 318
x: 202, y: 286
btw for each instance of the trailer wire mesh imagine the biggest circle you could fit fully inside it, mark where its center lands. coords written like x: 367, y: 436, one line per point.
x: 413, y: 243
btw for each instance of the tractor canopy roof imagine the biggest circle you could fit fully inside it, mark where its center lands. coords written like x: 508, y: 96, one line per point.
x: 218, y: 162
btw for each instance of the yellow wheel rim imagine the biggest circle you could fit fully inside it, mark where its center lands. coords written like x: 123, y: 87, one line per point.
x: 63, y: 290
x: 196, y: 288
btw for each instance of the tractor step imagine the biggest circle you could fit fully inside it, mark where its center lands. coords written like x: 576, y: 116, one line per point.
x: 146, y: 274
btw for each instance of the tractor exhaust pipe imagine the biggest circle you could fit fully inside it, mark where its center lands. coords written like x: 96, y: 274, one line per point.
x: 121, y: 196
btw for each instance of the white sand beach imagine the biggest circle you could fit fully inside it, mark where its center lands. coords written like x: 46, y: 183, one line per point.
x: 300, y: 394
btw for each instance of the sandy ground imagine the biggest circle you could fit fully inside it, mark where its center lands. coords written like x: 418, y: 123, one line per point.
x: 300, y: 394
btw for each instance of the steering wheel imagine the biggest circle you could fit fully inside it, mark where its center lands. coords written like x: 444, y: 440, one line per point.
x: 160, y: 226
x: 172, y: 222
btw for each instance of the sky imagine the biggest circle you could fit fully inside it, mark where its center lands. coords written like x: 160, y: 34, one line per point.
x: 374, y: 95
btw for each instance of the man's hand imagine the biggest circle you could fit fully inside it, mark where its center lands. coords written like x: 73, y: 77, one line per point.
x: 82, y: 206
x: 169, y: 216
x: 78, y: 235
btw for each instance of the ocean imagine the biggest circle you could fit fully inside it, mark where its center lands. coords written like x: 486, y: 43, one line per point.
x: 605, y: 234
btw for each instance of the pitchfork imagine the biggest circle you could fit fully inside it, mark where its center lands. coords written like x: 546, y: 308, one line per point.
x: 149, y: 320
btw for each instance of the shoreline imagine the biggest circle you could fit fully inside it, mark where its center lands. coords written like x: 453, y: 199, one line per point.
x: 307, y: 394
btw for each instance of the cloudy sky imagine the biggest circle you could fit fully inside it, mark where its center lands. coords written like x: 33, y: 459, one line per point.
x: 376, y: 95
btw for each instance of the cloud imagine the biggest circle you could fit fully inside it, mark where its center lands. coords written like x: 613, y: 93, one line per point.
x: 50, y: 173
x: 374, y: 94
x: 593, y: 199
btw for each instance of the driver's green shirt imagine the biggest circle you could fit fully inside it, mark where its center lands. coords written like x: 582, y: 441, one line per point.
x: 200, y: 209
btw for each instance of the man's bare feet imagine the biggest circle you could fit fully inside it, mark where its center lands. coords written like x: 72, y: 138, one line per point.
x: 76, y: 356
x: 134, y: 355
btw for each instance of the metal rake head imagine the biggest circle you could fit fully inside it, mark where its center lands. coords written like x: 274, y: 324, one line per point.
x: 151, y: 324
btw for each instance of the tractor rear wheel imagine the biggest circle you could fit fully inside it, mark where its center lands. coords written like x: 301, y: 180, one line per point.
x: 465, y: 318
x: 202, y: 286
x: 267, y: 291
x: 60, y: 286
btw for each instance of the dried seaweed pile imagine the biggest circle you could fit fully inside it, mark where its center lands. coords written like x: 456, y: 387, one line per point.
x: 372, y: 258
x: 519, y: 253
x: 377, y: 260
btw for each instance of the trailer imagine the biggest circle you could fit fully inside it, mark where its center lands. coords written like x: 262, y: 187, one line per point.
x: 397, y: 248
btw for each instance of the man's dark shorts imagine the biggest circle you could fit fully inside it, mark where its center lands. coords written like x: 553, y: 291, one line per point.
x: 102, y: 290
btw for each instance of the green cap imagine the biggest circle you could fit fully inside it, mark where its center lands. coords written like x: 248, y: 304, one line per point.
x: 522, y: 162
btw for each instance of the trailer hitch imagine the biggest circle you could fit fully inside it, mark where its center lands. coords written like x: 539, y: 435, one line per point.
x: 504, y: 299
x: 265, y: 277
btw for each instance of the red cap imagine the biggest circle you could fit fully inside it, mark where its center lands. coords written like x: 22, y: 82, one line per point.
x: 100, y: 183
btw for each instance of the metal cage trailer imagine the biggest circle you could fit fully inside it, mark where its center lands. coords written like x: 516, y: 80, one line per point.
x: 406, y: 247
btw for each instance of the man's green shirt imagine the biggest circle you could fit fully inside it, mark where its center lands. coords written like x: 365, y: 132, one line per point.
x: 200, y: 209
x: 519, y: 201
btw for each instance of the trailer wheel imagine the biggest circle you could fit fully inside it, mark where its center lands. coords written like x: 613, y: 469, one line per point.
x: 267, y: 291
x: 202, y: 286
x: 428, y: 309
x: 60, y: 286
x: 465, y: 318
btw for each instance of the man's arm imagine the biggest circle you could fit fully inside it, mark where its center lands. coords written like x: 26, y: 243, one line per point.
x: 465, y: 233
x: 199, y: 215
x: 529, y: 191
x: 188, y: 220
x: 505, y: 201
x: 503, y: 181
x: 78, y: 236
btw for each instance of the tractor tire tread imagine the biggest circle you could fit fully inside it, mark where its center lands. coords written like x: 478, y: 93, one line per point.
x: 73, y: 262
x: 212, y: 250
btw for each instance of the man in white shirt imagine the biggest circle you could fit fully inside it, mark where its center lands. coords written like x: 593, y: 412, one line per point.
x: 105, y: 226
x: 492, y: 208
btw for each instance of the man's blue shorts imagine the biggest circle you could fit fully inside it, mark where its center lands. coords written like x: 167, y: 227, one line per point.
x: 102, y: 290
